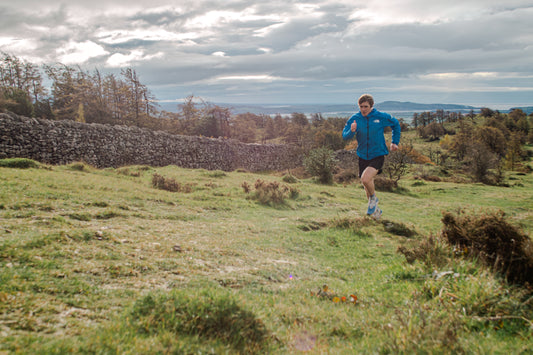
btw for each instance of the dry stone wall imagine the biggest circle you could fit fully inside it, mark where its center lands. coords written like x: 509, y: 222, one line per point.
x: 63, y: 142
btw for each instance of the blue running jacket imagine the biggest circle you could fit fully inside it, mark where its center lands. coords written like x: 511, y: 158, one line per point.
x: 370, y: 133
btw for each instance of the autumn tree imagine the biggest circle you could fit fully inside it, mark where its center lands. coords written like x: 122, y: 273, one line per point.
x: 432, y: 131
x: 21, y: 88
x: 460, y: 142
x: 487, y: 112
x: 478, y: 161
x: 243, y: 129
x: 514, y: 150
x: 517, y: 121
x: 215, y: 122
x: 16, y: 100
x: 493, y: 139
x: 329, y: 139
x: 140, y: 101
x: 66, y: 94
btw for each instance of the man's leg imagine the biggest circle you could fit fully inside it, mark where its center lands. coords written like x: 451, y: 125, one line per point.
x: 367, y: 179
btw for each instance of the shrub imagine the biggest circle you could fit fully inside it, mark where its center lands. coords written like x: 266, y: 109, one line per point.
x: 168, y: 184
x: 321, y: 163
x: 19, y: 163
x: 478, y: 161
x: 289, y: 179
x: 491, y: 239
x: 270, y: 193
x: 488, y: 238
x: 384, y: 184
x: 246, y: 187
x: 398, y: 162
x: 346, y: 175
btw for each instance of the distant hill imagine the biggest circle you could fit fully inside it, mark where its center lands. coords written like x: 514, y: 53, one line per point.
x: 526, y: 109
x: 396, y: 108
x: 411, y: 106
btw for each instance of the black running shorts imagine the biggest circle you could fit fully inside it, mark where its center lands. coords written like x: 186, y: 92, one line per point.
x: 376, y: 163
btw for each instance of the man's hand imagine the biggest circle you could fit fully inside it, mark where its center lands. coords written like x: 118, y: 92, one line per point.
x: 393, y: 147
x: 354, y: 126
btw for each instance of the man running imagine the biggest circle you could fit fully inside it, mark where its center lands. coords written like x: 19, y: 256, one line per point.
x: 368, y: 128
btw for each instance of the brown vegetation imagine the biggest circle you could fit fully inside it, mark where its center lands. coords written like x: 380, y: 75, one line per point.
x: 494, y: 241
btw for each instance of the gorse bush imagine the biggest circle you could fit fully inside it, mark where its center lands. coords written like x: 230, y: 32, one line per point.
x: 208, y: 315
x: 169, y: 184
x: 320, y: 163
x: 486, y: 237
x: 495, y: 242
x: 270, y: 193
x: 457, y: 294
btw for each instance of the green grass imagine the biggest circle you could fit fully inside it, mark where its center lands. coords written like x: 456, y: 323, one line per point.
x: 100, y: 261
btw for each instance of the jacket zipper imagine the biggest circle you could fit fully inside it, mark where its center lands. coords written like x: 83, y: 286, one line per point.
x: 367, y: 137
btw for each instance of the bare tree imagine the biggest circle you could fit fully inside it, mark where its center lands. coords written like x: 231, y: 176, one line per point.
x: 398, y: 163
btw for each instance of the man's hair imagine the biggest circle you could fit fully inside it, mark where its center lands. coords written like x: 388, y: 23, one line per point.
x: 366, y: 98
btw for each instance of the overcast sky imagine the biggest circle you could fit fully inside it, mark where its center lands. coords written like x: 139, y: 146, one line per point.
x: 475, y: 52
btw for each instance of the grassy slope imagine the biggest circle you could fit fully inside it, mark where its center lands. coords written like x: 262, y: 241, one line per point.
x: 78, y: 248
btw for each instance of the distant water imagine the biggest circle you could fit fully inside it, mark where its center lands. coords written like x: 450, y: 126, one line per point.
x: 406, y: 115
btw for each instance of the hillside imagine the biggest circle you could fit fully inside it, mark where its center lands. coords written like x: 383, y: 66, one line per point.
x: 101, y: 261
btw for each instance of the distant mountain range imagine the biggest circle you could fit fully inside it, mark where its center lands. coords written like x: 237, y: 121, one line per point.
x: 396, y: 108
x: 412, y: 106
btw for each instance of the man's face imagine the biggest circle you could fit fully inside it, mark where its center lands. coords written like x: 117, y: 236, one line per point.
x: 365, y: 108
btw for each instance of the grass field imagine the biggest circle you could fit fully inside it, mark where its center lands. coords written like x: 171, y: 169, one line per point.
x: 100, y: 261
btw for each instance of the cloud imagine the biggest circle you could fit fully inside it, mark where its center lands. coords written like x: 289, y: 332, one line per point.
x: 77, y: 53
x: 119, y: 60
x: 149, y: 34
x: 314, y: 50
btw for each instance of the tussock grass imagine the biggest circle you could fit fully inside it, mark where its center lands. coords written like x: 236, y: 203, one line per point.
x: 19, y: 163
x: 169, y: 184
x: 100, y: 261
x: 209, y: 315
x: 270, y: 193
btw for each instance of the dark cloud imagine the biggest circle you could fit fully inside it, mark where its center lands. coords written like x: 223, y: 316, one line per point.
x: 318, y: 50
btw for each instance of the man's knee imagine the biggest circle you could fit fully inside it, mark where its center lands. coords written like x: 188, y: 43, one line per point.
x: 366, y: 179
x: 368, y: 175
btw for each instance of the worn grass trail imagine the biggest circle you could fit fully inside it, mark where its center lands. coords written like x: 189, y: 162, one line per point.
x: 86, y: 255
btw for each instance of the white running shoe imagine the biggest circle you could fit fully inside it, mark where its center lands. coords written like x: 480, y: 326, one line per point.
x: 377, y: 214
x: 372, y: 205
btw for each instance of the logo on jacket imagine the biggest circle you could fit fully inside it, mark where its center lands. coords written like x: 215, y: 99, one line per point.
x: 376, y: 121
